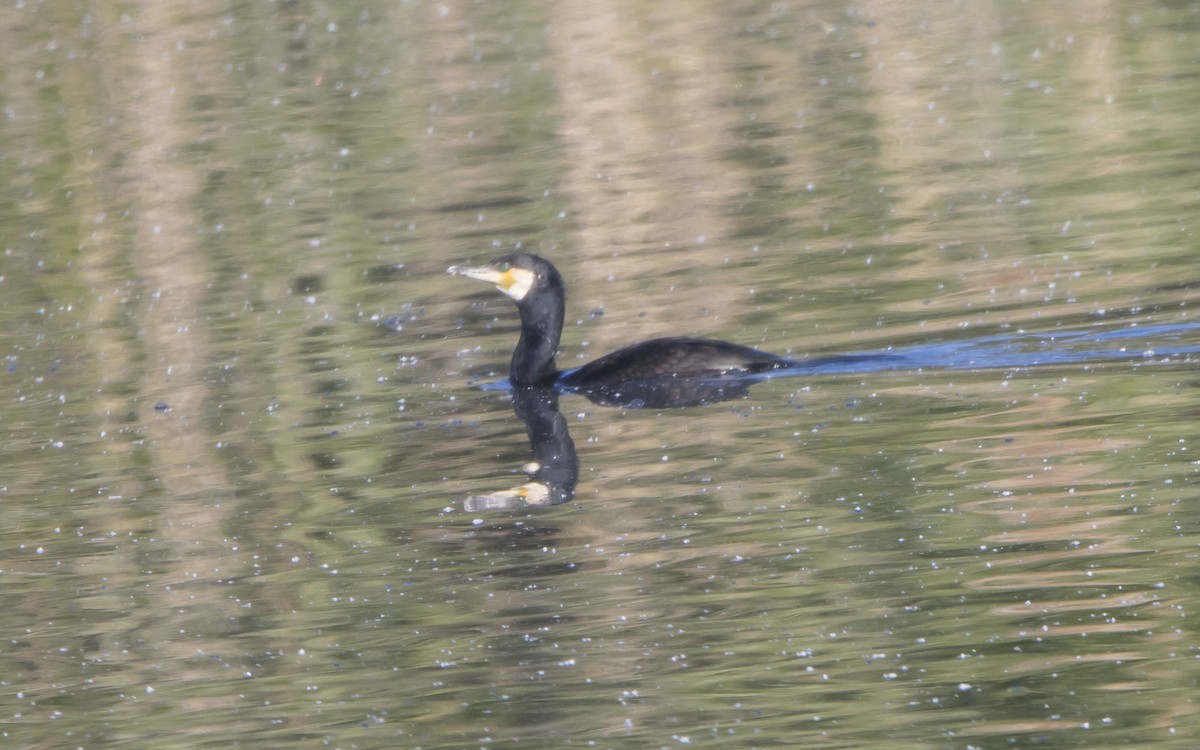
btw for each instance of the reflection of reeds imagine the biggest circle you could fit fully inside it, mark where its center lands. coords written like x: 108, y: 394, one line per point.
x: 227, y: 197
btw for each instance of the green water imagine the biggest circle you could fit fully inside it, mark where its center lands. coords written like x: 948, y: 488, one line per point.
x: 233, y: 500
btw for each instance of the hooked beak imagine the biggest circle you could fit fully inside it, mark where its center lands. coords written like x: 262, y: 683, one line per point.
x: 502, y: 279
x: 515, y: 282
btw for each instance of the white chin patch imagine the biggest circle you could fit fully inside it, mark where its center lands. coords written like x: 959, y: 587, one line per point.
x: 519, y: 283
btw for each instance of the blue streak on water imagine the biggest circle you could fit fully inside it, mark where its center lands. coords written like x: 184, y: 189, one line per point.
x: 1158, y: 344
x: 1152, y: 343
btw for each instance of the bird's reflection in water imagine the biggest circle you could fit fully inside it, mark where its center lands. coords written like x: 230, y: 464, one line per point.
x: 554, y: 469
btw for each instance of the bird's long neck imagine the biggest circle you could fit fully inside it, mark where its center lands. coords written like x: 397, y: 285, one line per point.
x: 541, y: 327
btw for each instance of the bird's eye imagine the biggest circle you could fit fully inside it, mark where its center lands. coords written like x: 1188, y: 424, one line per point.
x: 505, y: 267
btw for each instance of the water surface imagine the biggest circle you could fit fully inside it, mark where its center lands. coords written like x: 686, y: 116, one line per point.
x: 234, y: 496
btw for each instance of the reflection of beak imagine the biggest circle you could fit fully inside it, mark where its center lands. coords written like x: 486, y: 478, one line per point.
x: 502, y: 279
x: 525, y: 496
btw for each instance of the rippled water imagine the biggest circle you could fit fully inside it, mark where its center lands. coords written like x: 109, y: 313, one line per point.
x: 242, y: 404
